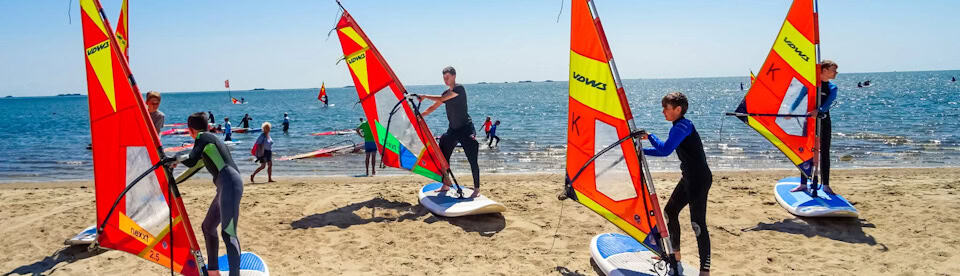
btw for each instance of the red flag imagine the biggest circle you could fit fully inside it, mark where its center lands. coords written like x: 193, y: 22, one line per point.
x: 226, y: 84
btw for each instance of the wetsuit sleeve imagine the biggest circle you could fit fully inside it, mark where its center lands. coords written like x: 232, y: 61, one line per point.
x: 825, y: 105
x: 196, y: 154
x: 663, y: 148
x: 189, y: 172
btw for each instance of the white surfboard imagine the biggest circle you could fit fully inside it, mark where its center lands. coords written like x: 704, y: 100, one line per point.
x: 619, y: 254
x: 802, y: 204
x: 448, y: 204
x: 87, y: 236
x: 250, y: 265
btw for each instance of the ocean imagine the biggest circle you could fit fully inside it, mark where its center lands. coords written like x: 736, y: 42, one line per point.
x: 904, y: 119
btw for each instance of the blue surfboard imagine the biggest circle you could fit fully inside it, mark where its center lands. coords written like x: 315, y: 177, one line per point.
x: 619, y: 254
x: 802, y: 204
x: 250, y: 265
x: 449, y: 204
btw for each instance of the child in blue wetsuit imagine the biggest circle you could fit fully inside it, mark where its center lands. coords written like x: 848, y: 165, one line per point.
x: 493, y: 134
x: 696, y: 176
x: 828, y: 94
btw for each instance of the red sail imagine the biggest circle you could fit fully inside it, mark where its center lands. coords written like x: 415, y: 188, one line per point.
x: 125, y: 145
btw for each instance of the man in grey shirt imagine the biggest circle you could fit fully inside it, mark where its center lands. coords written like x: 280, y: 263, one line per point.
x: 460, y: 129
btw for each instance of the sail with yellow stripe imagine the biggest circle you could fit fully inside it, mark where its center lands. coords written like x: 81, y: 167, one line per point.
x: 402, y: 137
x: 784, y: 92
x: 137, y: 210
x: 604, y: 169
x: 123, y: 30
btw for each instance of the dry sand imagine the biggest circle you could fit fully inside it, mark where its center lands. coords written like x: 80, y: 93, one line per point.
x: 352, y: 226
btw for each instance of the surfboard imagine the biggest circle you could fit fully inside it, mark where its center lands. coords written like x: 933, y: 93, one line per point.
x: 87, y: 236
x: 619, y: 254
x: 250, y: 265
x: 802, y: 204
x: 447, y: 204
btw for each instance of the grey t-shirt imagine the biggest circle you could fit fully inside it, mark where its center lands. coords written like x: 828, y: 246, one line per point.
x: 457, y: 108
x: 158, y: 118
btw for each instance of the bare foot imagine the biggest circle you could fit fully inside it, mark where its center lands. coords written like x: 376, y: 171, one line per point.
x: 444, y: 188
x: 476, y: 193
x: 799, y: 188
x: 271, y: 180
x: 251, y: 179
x: 213, y: 273
x: 826, y: 188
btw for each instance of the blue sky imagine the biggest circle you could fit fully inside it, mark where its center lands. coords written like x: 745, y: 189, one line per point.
x: 183, y: 45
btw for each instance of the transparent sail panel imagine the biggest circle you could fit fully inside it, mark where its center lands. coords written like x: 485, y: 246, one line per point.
x: 612, y: 175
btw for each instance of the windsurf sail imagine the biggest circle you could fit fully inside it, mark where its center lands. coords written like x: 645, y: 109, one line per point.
x: 123, y: 30
x: 778, y: 104
x: 605, y: 171
x: 323, y: 93
x: 149, y: 220
x: 403, y: 139
x: 753, y: 78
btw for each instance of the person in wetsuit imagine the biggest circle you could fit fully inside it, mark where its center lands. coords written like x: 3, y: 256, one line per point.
x: 227, y: 129
x: 211, y: 153
x: 827, y: 94
x: 286, y: 123
x: 245, y: 121
x: 493, y: 134
x: 460, y: 129
x: 695, y: 180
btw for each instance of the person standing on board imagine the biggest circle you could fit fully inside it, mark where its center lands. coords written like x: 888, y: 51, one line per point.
x: 369, y: 146
x: 486, y: 128
x: 264, y: 152
x: 227, y: 129
x: 212, y: 120
x: 286, y: 123
x: 153, y: 107
x: 827, y: 94
x: 225, y: 208
x: 695, y: 180
x: 460, y: 128
x: 245, y: 121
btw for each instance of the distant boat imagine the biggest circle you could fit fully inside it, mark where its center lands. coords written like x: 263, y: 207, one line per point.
x: 257, y: 89
x: 548, y: 81
x: 482, y: 82
x: 524, y: 81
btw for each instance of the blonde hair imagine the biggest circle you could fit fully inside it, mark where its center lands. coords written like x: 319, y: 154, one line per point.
x: 266, y: 125
x: 153, y: 94
x: 827, y: 64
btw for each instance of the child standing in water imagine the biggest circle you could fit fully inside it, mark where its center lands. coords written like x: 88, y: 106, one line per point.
x: 493, y: 134
x: 695, y: 180
x: 227, y: 129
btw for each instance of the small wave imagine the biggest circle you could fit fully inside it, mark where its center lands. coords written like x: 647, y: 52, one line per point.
x: 877, y: 137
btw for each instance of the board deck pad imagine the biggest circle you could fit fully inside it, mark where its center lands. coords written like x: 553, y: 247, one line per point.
x: 250, y: 265
x: 449, y: 205
x: 802, y: 204
x: 87, y: 236
x: 619, y: 254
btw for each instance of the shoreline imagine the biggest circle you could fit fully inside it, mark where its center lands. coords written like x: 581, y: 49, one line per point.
x: 375, y: 226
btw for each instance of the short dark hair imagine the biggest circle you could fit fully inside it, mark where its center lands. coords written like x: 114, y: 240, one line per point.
x: 676, y: 99
x: 197, y: 121
x: 450, y: 70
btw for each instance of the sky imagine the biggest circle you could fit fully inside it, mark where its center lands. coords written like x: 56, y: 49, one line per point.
x: 180, y: 45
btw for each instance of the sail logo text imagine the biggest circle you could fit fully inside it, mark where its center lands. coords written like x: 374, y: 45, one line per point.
x: 796, y: 49
x: 356, y: 58
x: 94, y: 49
x: 596, y: 84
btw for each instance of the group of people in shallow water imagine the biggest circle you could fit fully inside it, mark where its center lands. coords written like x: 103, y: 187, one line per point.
x: 692, y: 189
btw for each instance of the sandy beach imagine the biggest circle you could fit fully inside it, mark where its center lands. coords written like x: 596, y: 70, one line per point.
x: 374, y: 226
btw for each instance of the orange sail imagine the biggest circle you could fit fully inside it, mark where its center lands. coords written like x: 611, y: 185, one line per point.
x: 605, y: 172
x: 123, y: 30
x: 753, y: 78
x: 402, y: 137
x: 784, y: 93
x: 149, y: 220
x: 323, y: 93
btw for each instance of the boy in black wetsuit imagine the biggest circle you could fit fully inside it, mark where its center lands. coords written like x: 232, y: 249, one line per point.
x: 695, y: 180
x: 460, y: 129
x: 208, y: 151
x: 828, y: 94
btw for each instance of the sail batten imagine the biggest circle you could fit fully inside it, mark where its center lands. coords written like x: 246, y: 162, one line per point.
x: 403, y: 138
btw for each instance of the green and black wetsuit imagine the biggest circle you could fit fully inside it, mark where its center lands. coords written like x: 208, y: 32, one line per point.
x: 208, y: 151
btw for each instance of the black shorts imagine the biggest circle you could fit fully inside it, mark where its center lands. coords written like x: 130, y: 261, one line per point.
x: 267, y: 157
